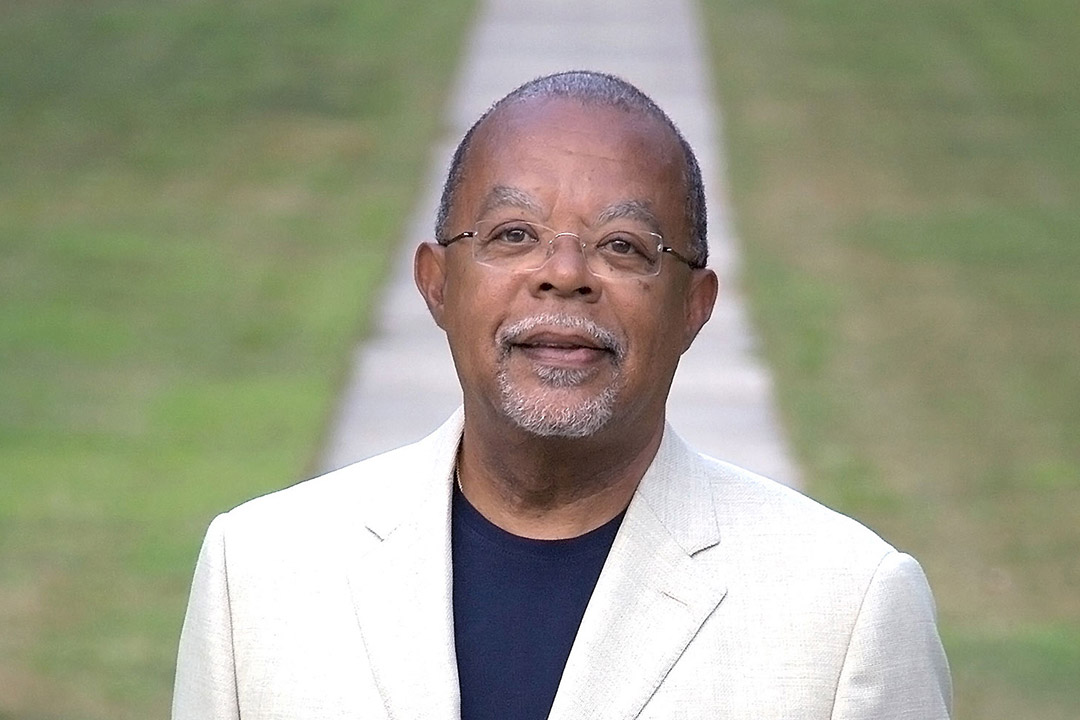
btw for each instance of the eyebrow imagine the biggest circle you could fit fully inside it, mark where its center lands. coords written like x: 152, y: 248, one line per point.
x: 502, y: 196
x: 633, y: 209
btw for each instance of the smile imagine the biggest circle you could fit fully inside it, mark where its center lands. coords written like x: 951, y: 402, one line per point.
x: 564, y: 353
x: 566, y: 341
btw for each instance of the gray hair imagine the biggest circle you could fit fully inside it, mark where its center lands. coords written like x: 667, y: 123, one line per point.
x: 598, y: 89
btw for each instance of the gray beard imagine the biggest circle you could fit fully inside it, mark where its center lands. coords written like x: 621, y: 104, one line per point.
x: 542, y: 415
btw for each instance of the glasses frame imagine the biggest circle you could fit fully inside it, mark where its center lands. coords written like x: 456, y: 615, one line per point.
x: 661, y: 248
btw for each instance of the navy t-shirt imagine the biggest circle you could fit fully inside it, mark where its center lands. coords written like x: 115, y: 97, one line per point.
x: 518, y: 603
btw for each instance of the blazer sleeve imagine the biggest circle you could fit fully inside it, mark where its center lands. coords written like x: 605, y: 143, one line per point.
x: 205, y: 686
x: 895, y: 666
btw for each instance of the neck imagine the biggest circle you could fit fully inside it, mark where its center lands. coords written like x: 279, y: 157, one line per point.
x: 550, y: 488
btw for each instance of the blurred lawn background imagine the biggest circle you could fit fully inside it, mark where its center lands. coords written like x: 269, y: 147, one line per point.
x: 197, y: 199
x: 906, y: 185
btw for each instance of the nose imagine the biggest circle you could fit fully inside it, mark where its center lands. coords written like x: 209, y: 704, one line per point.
x: 565, y: 272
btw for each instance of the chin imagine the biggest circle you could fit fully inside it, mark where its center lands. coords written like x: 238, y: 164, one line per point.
x: 541, y: 414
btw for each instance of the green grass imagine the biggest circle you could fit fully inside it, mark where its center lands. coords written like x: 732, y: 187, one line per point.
x: 197, y: 200
x: 906, y: 181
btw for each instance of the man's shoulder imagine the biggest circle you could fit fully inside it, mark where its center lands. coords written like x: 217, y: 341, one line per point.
x: 383, y: 486
x: 344, y: 485
x: 774, y: 542
x: 767, y: 518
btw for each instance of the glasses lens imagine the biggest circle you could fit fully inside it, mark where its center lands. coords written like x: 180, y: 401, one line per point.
x: 624, y: 253
x: 519, y: 245
x: 513, y: 244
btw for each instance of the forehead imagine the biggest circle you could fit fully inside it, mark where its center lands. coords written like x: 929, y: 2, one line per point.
x: 559, y: 155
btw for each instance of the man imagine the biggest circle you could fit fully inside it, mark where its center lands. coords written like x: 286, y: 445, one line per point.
x: 554, y: 549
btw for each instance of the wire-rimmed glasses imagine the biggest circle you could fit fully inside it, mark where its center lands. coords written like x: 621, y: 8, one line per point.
x: 519, y: 245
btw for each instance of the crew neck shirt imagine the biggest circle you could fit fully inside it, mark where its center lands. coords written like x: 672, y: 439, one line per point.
x: 518, y: 603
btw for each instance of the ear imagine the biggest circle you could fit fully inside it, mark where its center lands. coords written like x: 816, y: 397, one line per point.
x: 700, y: 299
x: 429, y: 273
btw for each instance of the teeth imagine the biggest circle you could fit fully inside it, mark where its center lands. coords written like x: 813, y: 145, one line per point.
x: 561, y: 346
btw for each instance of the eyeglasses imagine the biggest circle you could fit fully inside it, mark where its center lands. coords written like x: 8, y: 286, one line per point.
x: 518, y: 245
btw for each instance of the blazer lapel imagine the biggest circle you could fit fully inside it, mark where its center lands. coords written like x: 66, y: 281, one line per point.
x: 402, y: 589
x: 652, y: 596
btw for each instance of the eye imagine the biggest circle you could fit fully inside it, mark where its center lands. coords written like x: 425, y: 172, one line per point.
x: 626, y: 245
x: 512, y: 233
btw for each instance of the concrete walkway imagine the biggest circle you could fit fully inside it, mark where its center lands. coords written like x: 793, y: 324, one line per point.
x: 403, y: 384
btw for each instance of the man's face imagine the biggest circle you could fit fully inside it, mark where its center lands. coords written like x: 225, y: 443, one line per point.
x: 558, y: 350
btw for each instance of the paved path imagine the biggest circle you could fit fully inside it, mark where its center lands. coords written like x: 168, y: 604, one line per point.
x: 403, y: 384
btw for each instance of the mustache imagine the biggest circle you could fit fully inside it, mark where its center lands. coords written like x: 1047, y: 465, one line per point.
x: 607, y: 339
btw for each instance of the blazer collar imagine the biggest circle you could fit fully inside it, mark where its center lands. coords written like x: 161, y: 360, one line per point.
x: 676, y: 489
x: 396, y: 483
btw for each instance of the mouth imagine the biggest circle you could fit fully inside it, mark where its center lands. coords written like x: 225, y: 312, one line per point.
x: 551, y: 348
x: 561, y: 340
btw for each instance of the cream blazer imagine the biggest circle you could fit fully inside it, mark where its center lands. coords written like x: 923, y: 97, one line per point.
x: 725, y: 595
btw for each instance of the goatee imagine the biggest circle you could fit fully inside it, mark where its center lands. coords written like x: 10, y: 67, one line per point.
x: 543, y: 413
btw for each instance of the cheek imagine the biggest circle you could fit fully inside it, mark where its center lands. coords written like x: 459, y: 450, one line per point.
x: 476, y: 305
x: 658, y: 323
